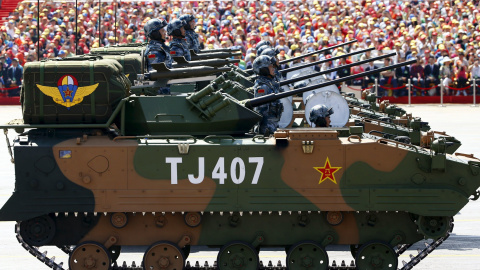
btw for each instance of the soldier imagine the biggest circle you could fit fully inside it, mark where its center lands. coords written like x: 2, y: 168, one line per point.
x: 265, y: 84
x: 273, y: 53
x: 320, y: 116
x: 178, y: 45
x: 157, y: 51
x: 191, y: 36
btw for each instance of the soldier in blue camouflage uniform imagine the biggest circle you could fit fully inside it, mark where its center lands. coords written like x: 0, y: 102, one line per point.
x: 157, y: 51
x: 320, y: 116
x: 178, y: 45
x: 191, y: 36
x: 265, y: 84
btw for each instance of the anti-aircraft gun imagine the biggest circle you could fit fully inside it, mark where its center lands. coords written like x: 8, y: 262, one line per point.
x: 213, y: 111
x: 249, y: 81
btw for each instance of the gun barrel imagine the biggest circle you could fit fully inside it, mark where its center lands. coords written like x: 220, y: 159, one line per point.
x: 323, y: 61
x: 317, y: 52
x: 214, y: 55
x: 178, y: 73
x: 312, y: 53
x: 217, y: 50
x: 286, y: 82
x: 255, y: 102
x: 214, y: 62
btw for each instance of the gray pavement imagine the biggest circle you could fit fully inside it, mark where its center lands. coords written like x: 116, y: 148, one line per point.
x: 460, y: 251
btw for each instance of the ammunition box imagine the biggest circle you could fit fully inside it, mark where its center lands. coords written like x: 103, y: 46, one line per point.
x: 80, y: 90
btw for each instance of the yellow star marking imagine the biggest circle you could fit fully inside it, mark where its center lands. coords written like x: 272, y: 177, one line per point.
x: 327, y: 172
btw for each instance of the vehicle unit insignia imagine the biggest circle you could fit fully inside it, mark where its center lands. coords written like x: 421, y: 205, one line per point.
x: 328, y: 172
x: 67, y: 93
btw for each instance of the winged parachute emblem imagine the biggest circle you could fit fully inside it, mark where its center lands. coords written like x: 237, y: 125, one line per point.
x: 67, y: 93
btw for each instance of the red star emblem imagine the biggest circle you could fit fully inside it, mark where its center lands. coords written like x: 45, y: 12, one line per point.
x: 327, y: 172
x: 68, y: 92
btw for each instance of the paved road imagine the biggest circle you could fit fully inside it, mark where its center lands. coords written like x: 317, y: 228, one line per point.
x: 460, y: 251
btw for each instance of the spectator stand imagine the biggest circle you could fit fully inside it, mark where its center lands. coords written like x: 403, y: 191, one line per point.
x: 37, y: 30
x: 6, y: 8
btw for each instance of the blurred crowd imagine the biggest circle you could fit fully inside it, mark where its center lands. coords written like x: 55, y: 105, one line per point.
x: 443, y: 36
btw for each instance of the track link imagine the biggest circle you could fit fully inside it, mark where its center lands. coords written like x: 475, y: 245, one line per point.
x: 414, y: 260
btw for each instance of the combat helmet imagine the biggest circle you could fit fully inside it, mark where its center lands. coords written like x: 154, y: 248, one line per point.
x: 187, y: 18
x: 261, y: 63
x: 263, y: 43
x: 318, y: 114
x: 173, y: 28
x: 262, y: 48
x: 270, y: 52
x: 154, y: 25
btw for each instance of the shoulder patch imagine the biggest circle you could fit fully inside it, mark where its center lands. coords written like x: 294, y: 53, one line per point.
x: 151, y: 56
x: 261, y: 91
x: 173, y: 52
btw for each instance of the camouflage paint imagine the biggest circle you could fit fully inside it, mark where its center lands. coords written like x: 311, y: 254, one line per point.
x: 135, y: 176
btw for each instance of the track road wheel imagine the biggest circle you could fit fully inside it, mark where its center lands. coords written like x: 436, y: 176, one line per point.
x: 237, y: 256
x: 376, y: 256
x: 38, y: 231
x: 89, y: 255
x: 307, y: 255
x: 163, y: 255
x: 434, y: 227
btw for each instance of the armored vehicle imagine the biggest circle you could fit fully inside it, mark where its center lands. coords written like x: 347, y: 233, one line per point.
x: 98, y: 169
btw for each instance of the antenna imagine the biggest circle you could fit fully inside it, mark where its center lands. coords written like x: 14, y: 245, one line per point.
x: 76, y: 27
x: 115, y: 4
x: 99, y: 22
x: 38, y: 30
